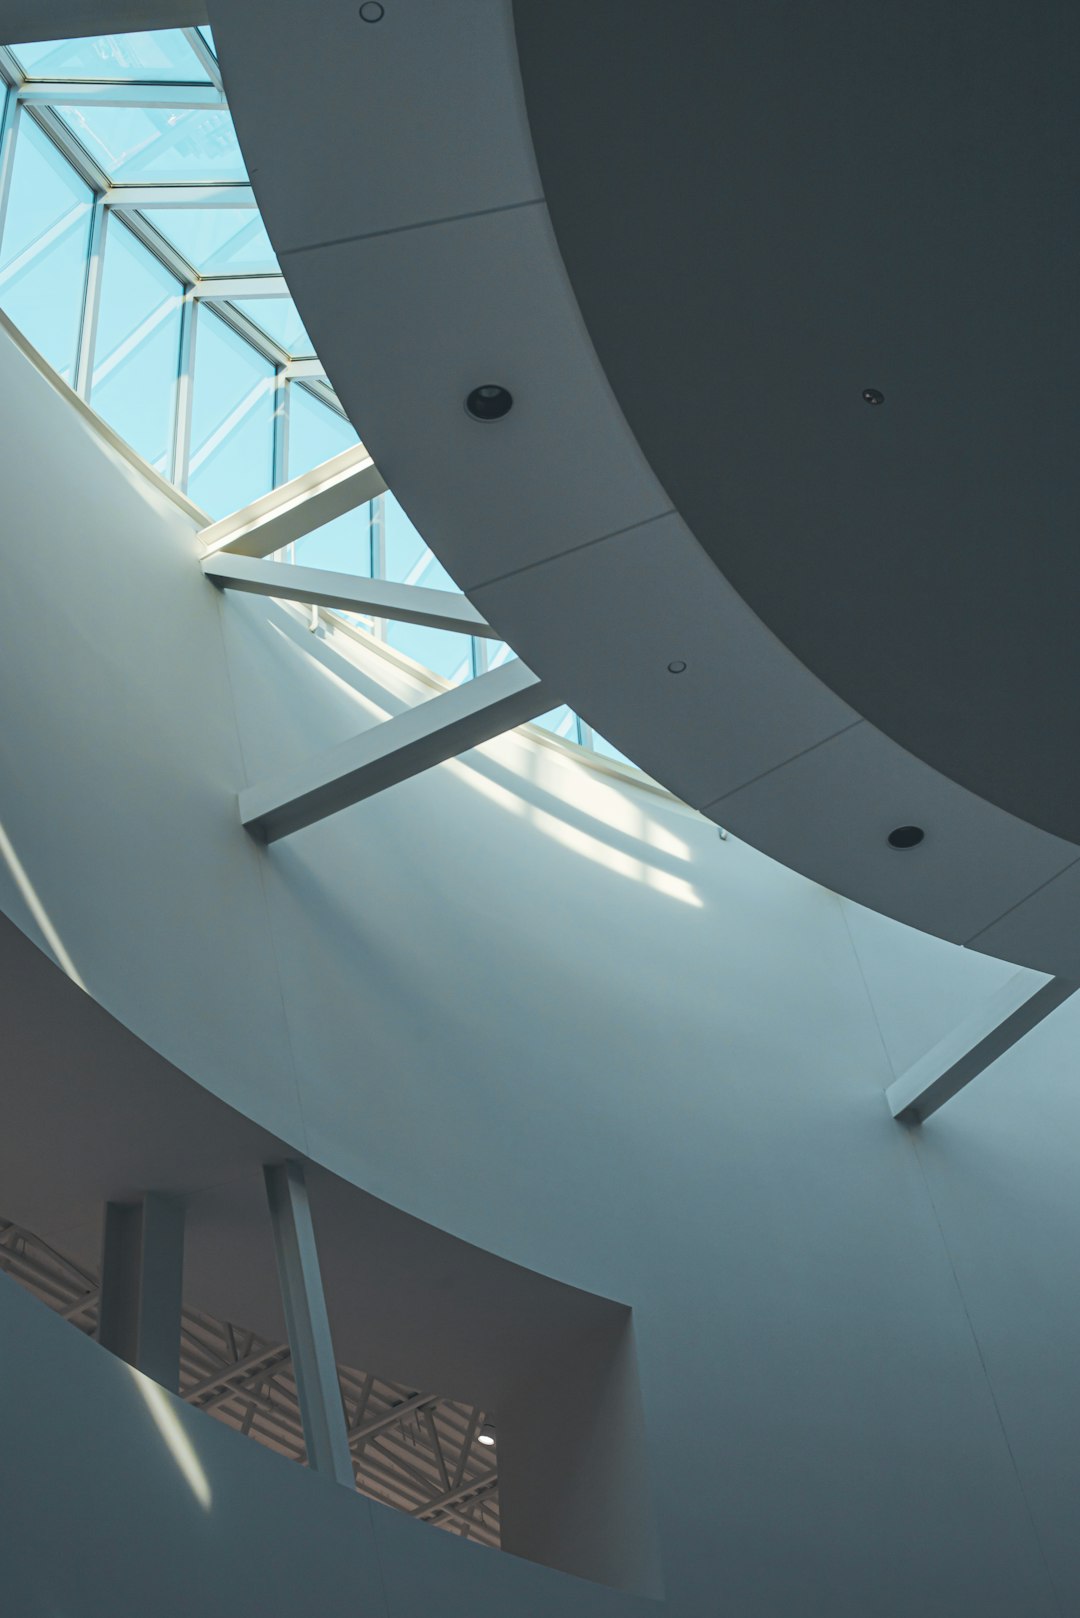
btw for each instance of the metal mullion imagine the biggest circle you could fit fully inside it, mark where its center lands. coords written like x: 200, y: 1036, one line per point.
x: 325, y: 395
x: 185, y: 389
x: 282, y: 389
x: 10, y: 70
x: 247, y: 329
x: 72, y: 148
x: 91, y: 304
x: 206, y: 57
x: 9, y: 134
x: 152, y: 239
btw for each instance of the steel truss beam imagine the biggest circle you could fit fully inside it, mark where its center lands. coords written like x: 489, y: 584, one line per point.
x: 377, y: 598
x: 471, y: 1491
x: 413, y: 741
x: 298, y: 507
x: 249, y: 1386
x: 970, y: 1049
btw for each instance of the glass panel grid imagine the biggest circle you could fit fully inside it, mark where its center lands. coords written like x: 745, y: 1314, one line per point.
x: 250, y: 427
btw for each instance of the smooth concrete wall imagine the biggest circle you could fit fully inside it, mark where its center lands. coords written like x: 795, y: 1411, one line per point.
x: 559, y: 1017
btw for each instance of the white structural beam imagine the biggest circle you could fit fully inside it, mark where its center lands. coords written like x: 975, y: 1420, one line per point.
x: 378, y: 598
x: 241, y: 286
x: 179, y: 194
x: 966, y: 1052
x: 119, y: 93
x: 298, y: 507
x: 142, y: 1271
x: 308, y: 1324
x: 395, y: 750
x: 23, y: 20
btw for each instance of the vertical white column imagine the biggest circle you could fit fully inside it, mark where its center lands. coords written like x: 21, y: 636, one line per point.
x: 142, y: 1276
x: 307, y: 1323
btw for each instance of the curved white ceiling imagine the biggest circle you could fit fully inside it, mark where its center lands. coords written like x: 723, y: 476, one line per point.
x: 407, y: 211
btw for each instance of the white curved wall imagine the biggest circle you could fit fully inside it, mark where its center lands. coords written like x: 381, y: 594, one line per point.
x: 555, y: 1015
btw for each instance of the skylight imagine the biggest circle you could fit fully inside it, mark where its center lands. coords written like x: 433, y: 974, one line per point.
x: 134, y: 258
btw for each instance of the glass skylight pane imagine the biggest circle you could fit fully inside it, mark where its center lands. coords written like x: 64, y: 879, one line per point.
x: 232, y: 420
x: 561, y: 722
x: 162, y: 144
x: 208, y: 35
x: 162, y: 55
x: 136, y: 359
x: 44, y: 251
x: 278, y: 318
x: 405, y: 552
x: 606, y: 750
x: 217, y: 241
x: 443, y: 651
x: 315, y: 434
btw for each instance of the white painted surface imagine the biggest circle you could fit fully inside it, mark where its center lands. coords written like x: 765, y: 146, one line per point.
x: 558, y: 1017
x: 436, y: 268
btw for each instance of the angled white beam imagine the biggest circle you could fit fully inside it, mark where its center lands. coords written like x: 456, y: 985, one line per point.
x: 970, y: 1048
x: 22, y: 20
x: 305, y: 369
x: 142, y: 1269
x: 223, y: 194
x: 241, y: 286
x: 308, y: 1325
x: 296, y: 508
x: 119, y: 93
x: 395, y: 750
x: 378, y: 598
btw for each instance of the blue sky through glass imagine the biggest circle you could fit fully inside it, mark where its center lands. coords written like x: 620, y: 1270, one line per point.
x: 237, y: 394
x: 153, y: 144
x: 136, y: 357
x: 316, y: 433
x: 43, y: 255
x: 218, y: 241
x: 157, y: 56
x: 279, y: 319
x: 232, y: 420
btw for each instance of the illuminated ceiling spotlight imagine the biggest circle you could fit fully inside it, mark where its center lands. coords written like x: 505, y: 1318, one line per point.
x: 486, y: 1435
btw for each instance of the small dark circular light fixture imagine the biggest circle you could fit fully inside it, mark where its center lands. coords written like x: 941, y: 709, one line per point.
x: 906, y: 837
x: 490, y: 402
x: 873, y: 396
x: 372, y: 11
x: 677, y: 667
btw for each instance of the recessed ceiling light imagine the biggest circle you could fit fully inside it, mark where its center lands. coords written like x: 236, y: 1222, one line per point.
x: 489, y: 402
x: 486, y: 1435
x: 677, y: 667
x: 873, y: 396
x: 372, y: 11
x: 906, y: 837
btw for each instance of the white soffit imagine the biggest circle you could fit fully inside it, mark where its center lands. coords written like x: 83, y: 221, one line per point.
x: 426, y: 107
x: 829, y: 813
x: 413, y: 165
x: 743, y: 704
x: 457, y: 305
